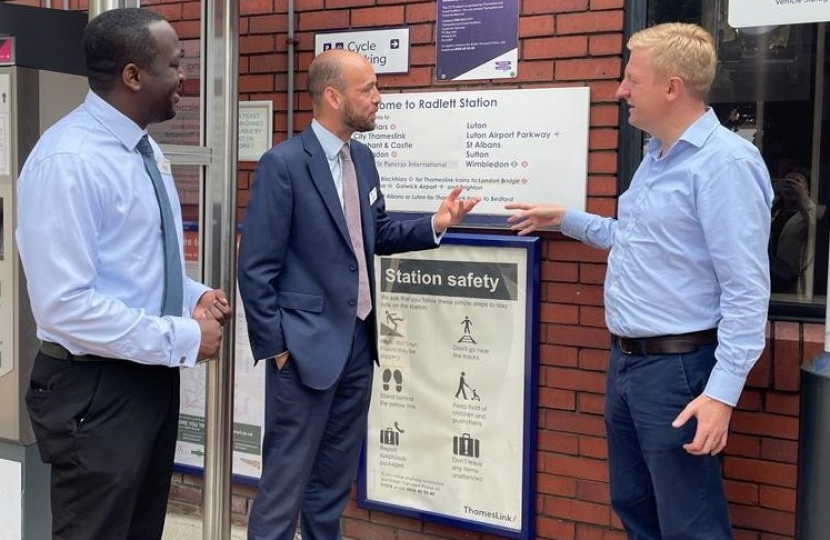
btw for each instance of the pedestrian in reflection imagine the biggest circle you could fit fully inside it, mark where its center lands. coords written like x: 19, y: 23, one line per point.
x: 793, y: 216
x: 686, y: 292
x: 100, y: 236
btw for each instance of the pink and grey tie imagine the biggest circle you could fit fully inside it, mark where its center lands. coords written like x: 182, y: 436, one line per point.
x: 351, y: 207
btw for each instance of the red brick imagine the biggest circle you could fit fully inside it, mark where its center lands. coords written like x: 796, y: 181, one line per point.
x: 306, y: 5
x: 559, y: 313
x: 602, y: 206
x: 378, y: 16
x: 760, y: 375
x: 398, y: 522
x: 604, y: 91
x: 560, y: 443
x: 750, y: 401
x: 596, y: 359
x: 779, y: 450
x: 554, y: 528
x: 605, y: 115
x: 605, y: 45
x: 602, y: 162
x: 417, y: 76
x: 590, y: 403
x: 554, y: 47
x: 550, y: 398
x: 581, y: 511
x: 256, y: 44
x: 592, y: 316
x: 778, y: 498
x: 530, y: 7
x: 603, y: 139
x: 772, y: 425
x: 589, y: 22
x: 550, y: 484
x: 268, y: 24
x: 571, y: 250
x: 553, y: 355
x: 340, y: 4
x: 574, y: 379
x: 587, y: 69
x: 786, y: 357
x: 763, y: 519
x: 268, y: 63
x: 324, y: 20
x: 596, y: 492
x: 764, y: 472
x: 592, y: 273
x: 741, y: 492
x: 541, y: 25
x: 422, y: 55
x: 250, y: 7
x: 588, y: 532
x: 576, y: 336
x: 559, y: 271
x: 569, y: 422
x: 419, y: 13
x: 541, y: 71
x: 593, y: 447
x: 782, y: 403
x: 743, y: 445
x: 602, y: 186
x: 256, y: 83
x: 574, y: 293
x: 597, y: 5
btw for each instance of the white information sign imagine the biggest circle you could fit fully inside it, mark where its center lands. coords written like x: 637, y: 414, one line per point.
x: 501, y: 145
x: 248, y: 414
x: 256, y: 125
x: 747, y: 13
x: 387, y: 50
x: 447, y: 430
x: 11, y: 500
x: 5, y: 125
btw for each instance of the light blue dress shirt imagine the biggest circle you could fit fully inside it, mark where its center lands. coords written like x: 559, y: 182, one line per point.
x: 332, y: 144
x: 689, y: 248
x: 89, y: 236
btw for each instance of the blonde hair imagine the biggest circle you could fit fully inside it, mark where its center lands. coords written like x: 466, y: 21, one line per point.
x: 680, y: 50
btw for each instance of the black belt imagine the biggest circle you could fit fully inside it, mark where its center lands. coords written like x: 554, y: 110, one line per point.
x: 60, y: 352
x: 671, y: 344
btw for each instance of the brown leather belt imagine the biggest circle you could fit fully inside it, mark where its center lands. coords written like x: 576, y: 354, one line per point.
x: 671, y: 344
x: 59, y: 352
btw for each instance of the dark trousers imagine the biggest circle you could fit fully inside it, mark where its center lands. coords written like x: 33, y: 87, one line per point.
x: 659, y: 491
x: 108, y: 430
x: 311, y: 448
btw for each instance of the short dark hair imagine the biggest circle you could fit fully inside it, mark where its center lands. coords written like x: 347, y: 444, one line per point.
x: 325, y: 70
x: 115, y: 38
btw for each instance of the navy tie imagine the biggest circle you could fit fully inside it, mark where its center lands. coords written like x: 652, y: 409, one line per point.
x: 172, y: 300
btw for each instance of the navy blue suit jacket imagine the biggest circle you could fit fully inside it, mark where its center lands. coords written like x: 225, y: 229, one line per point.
x: 297, y: 271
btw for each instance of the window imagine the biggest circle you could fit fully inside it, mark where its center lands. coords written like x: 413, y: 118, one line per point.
x: 770, y: 89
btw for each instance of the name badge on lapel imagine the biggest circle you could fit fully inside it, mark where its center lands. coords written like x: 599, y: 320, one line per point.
x: 373, y: 196
x: 164, y: 166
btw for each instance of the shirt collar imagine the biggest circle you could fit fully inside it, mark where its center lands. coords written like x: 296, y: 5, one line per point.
x: 330, y: 142
x: 696, y: 134
x: 114, y: 121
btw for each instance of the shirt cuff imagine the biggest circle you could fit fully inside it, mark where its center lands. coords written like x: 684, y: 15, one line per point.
x: 724, y: 386
x: 435, y: 235
x: 187, y: 336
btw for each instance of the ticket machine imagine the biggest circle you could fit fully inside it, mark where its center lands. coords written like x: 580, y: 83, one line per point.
x: 41, y: 79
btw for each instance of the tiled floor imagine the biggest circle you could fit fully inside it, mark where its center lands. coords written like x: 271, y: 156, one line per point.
x: 182, y: 527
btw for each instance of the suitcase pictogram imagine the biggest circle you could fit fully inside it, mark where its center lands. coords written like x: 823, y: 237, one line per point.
x: 465, y: 446
x: 389, y: 436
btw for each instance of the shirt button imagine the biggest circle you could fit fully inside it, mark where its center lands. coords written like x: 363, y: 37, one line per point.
x: 182, y: 360
x: 352, y: 302
x: 353, y: 267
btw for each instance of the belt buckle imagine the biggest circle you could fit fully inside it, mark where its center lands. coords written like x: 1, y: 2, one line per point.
x: 630, y: 346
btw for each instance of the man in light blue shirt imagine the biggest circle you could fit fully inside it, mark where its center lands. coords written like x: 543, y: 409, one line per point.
x: 115, y: 314
x: 686, y: 292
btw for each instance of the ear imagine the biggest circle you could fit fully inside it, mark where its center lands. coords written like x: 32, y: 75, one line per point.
x: 333, y: 97
x: 131, y: 77
x: 675, y: 88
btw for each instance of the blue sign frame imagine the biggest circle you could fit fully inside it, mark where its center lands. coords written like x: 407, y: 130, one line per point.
x: 532, y: 246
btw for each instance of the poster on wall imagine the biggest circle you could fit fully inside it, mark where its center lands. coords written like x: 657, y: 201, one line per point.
x: 750, y: 13
x: 249, y: 395
x: 477, y: 39
x: 11, y: 499
x: 451, y: 432
x: 426, y: 143
x: 5, y: 124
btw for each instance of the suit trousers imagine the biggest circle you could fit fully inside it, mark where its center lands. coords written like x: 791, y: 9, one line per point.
x: 108, y: 430
x: 311, y: 448
x: 660, y: 491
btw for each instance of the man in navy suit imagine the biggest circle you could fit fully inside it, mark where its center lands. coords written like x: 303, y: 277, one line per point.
x: 299, y: 281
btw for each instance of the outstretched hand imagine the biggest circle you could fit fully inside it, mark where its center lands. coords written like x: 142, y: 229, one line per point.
x: 452, y: 210
x: 534, y: 216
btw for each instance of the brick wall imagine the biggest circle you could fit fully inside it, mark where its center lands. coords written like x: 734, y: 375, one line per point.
x: 563, y: 42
